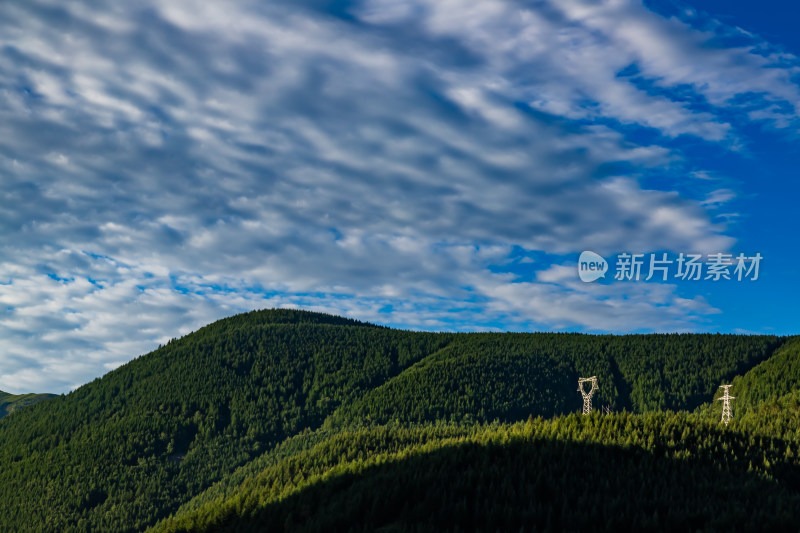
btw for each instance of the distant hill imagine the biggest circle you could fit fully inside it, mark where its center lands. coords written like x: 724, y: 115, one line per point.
x: 11, y: 402
x: 189, y: 427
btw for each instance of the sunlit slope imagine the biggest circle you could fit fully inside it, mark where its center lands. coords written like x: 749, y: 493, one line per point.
x: 774, y: 378
x: 12, y: 402
x: 510, y: 376
x: 768, y: 394
x: 625, y: 472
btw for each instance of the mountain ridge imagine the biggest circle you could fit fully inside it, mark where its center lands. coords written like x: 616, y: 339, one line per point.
x: 10, y: 403
x: 217, y: 406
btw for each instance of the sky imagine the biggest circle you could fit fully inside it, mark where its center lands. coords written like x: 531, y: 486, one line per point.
x: 424, y: 164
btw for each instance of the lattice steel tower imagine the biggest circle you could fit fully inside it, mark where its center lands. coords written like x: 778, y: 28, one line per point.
x: 726, y: 404
x: 587, y: 396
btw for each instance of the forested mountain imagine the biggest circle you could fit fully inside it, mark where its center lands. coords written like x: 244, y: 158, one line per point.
x: 659, y: 471
x: 289, y: 419
x: 120, y: 452
x: 769, y: 380
x: 508, y: 376
x: 11, y: 402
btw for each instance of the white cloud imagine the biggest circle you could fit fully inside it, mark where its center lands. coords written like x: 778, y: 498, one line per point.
x: 158, y: 153
x: 718, y: 197
x: 559, y: 299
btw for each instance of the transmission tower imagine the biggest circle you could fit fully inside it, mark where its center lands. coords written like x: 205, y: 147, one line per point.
x: 726, y: 404
x: 587, y: 396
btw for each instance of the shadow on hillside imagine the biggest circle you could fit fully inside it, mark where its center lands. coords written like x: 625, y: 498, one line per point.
x: 540, y: 486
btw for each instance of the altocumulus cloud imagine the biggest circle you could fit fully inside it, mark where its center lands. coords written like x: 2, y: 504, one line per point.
x: 167, y: 163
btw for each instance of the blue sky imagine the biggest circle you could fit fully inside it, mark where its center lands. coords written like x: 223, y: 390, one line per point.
x: 425, y: 164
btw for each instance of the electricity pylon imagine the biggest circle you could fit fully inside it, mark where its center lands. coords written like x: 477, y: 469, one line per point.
x: 587, y: 396
x: 726, y: 404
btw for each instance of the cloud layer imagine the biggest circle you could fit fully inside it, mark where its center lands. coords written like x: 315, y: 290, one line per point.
x: 167, y: 163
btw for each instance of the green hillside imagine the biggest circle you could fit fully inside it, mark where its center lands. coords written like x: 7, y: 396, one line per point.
x: 197, y: 428
x: 669, y: 472
x: 768, y: 394
x: 120, y: 452
x: 12, y: 402
x: 510, y: 376
x: 770, y: 380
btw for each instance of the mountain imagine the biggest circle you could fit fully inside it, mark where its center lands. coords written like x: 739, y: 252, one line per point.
x: 771, y: 379
x: 126, y: 449
x: 11, y: 402
x: 507, y: 376
x: 659, y: 471
x: 269, y: 415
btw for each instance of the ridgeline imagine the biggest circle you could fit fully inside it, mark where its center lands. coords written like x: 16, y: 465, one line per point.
x: 11, y: 402
x: 294, y: 421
